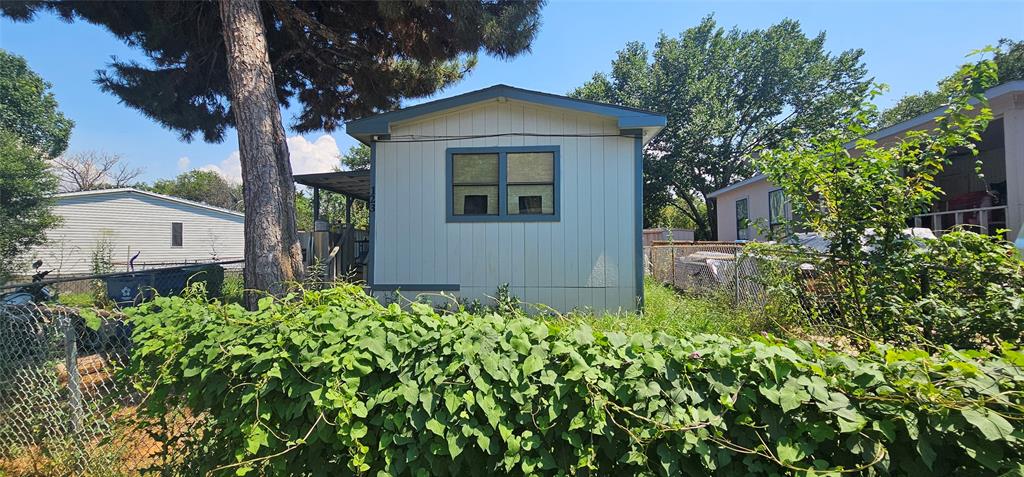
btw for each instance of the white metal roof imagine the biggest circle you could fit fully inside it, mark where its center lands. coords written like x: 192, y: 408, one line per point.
x: 131, y: 190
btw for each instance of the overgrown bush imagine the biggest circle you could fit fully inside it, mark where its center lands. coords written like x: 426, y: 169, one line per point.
x: 332, y: 383
x: 859, y: 195
x: 963, y: 289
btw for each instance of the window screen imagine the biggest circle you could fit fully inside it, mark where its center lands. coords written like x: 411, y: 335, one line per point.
x: 742, y: 220
x: 475, y: 184
x: 531, y: 183
x: 176, y: 234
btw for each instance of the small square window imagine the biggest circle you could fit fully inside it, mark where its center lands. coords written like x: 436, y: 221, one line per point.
x: 176, y: 234
x: 530, y: 204
x: 475, y: 205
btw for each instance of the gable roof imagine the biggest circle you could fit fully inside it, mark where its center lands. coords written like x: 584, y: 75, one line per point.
x: 131, y: 190
x: 1015, y: 86
x: 628, y: 118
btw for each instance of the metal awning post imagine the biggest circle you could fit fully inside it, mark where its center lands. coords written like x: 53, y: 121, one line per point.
x: 348, y: 210
x: 316, y: 204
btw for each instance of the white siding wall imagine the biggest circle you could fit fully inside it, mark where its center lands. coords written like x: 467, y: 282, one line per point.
x: 587, y: 259
x: 136, y: 222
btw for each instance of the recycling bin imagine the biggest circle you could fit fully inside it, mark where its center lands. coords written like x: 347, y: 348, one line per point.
x: 129, y: 289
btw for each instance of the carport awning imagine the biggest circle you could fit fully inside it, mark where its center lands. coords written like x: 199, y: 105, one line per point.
x: 355, y: 184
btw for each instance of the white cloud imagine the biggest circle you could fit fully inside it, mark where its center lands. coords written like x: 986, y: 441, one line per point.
x: 307, y: 157
x: 183, y: 163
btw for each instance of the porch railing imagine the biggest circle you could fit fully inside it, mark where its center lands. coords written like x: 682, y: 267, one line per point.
x: 986, y: 219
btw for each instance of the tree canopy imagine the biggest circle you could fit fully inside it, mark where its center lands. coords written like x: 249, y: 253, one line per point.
x: 336, y: 60
x: 357, y: 158
x: 727, y: 94
x: 1009, y: 61
x: 29, y: 110
x: 32, y: 130
x: 207, y: 187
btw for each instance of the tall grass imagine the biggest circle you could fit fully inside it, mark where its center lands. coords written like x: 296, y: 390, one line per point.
x: 673, y: 313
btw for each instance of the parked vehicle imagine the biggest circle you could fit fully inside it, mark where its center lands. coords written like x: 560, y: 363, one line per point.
x: 31, y: 293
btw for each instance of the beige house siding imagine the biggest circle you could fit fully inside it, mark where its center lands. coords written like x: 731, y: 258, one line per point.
x: 757, y: 210
x: 133, y: 221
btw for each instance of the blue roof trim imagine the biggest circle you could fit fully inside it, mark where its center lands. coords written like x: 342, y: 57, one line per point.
x: 627, y: 117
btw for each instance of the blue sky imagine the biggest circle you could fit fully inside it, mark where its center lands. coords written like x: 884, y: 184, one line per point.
x: 909, y: 45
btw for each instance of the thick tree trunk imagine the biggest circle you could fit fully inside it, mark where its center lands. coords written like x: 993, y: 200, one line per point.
x: 273, y: 257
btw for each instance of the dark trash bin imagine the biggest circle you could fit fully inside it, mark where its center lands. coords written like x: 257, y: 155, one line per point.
x: 129, y: 289
x: 170, y: 282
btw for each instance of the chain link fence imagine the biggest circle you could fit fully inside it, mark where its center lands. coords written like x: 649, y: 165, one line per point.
x: 703, y: 268
x: 67, y: 404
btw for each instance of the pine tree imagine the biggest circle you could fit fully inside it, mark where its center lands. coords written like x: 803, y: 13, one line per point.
x: 217, y: 65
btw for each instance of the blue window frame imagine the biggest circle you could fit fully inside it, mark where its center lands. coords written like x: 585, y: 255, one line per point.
x: 528, y: 192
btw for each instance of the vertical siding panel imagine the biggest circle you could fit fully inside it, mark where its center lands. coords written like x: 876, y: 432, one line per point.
x: 584, y: 232
x: 453, y: 234
x: 612, y: 185
x: 596, y: 210
x: 439, y: 249
x: 570, y: 203
x: 419, y: 249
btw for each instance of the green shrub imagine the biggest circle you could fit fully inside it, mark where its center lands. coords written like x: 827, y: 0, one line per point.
x: 964, y: 290
x: 211, y: 275
x: 333, y: 383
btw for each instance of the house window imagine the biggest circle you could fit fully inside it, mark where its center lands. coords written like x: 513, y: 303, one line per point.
x: 503, y: 184
x: 475, y: 184
x: 531, y: 183
x: 742, y: 220
x: 175, y: 234
x: 778, y: 211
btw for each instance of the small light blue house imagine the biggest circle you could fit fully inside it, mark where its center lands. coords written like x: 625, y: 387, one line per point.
x: 505, y: 185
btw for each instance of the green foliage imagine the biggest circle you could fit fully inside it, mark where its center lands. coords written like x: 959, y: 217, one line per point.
x: 357, y: 158
x: 726, y: 93
x: 28, y: 109
x: 1009, y: 59
x: 332, y: 209
x: 965, y: 289
x: 26, y: 188
x: 207, y: 187
x: 971, y: 293
x: 333, y: 383
x: 670, y: 312
x: 32, y: 130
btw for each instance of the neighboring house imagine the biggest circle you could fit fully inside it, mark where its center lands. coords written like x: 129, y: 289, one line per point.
x: 163, y: 230
x: 995, y: 202
x: 505, y: 185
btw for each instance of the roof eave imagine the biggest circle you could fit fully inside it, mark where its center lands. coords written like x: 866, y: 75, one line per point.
x: 365, y: 129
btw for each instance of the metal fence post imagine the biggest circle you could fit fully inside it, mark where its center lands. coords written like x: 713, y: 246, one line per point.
x: 74, y: 379
x: 736, y: 276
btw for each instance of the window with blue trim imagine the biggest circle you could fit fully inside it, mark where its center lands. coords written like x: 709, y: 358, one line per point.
x: 503, y: 184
